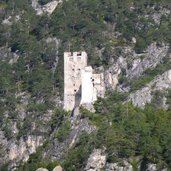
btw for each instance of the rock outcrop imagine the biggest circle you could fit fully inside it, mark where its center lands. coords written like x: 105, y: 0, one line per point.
x: 96, y: 161
x: 41, y: 169
x: 134, y: 64
x: 145, y: 95
x: 9, y: 21
x: 47, y: 8
x: 116, y: 167
x: 153, y: 167
x: 57, y: 150
x: 138, y: 63
x: 157, y: 15
x: 58, y: 168
x: 21, y: 150
x: 111, y: 76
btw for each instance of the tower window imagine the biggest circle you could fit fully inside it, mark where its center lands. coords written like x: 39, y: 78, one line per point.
x: 75, y: 90
x: 79, y: 54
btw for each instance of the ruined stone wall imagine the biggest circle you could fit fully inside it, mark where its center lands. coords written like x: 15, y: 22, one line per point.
x: 99, y: 85
x: 87, y: 89
x: 92, y: 86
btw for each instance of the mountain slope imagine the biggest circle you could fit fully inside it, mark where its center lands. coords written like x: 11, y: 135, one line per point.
x: 129, y: 40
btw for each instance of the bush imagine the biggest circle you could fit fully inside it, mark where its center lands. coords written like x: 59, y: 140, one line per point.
x: 63, y: 131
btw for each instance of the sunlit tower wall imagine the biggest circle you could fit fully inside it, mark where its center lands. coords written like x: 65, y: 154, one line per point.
x: 73, y: 65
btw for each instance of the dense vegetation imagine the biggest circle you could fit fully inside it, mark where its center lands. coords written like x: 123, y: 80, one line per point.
x: 141, y: 136
x: 126, y: 132
x: 91, y: 25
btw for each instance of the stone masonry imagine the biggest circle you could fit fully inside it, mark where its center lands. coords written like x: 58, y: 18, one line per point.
x: 81, y: 85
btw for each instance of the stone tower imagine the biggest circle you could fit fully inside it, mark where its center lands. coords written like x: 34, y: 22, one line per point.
x: 73, y: 65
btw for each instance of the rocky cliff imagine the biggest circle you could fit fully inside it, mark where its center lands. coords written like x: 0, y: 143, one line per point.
x: 97, y: 162
x: 129, y: 42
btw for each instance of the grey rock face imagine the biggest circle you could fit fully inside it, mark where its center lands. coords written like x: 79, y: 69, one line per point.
x: 96, y: 161
x: 8, y: 21
x: 41, y: 169
x: 3, y: 144
x: 143, y: 96
x: 7, y: 55
x: 14, y: 59
x: 47, y: 8
x: 57, y: 150
x: 58, y: 168
x: 135, y: 64
x: 111, y: 76
x: 149, y: 59
x: 153, y: 167
x: 115, y: 167
x: 18, y: 148
x: 13, y: 151
x: 156, y: 16
x: 22, y: 150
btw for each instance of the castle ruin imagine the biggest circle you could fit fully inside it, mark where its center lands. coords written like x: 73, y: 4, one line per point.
x: 81, y: 85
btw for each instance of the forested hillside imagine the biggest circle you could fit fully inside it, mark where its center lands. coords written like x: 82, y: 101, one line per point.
x: 128, y: 40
